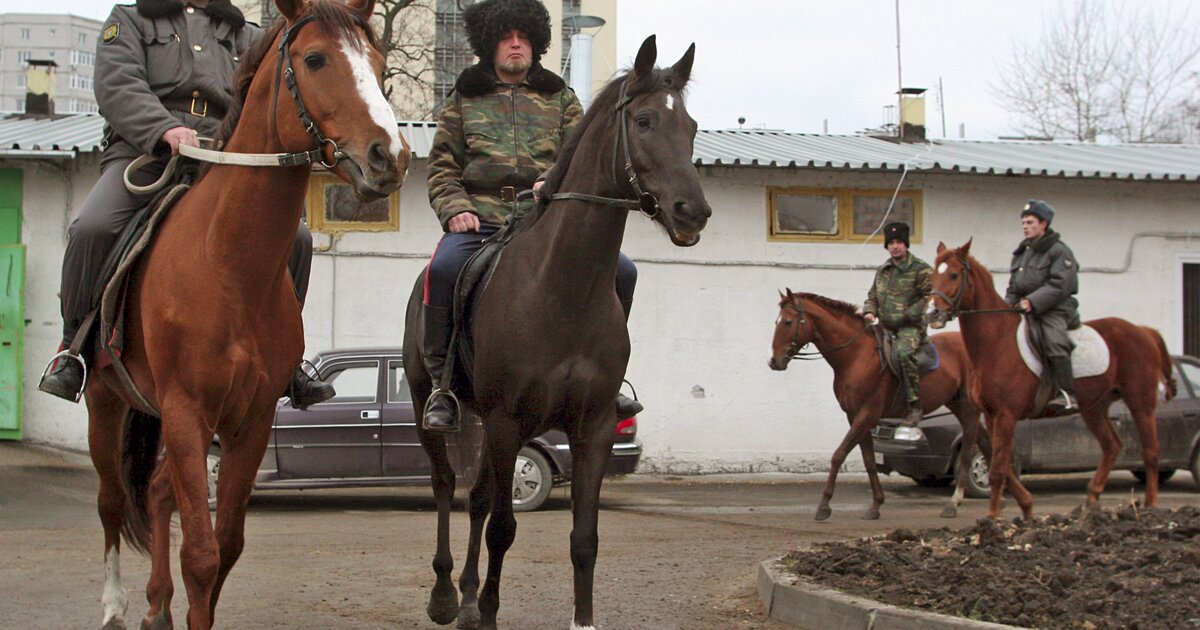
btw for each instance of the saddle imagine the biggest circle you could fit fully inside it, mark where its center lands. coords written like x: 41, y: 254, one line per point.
x: 928, y: 360
x: 1089, y: 357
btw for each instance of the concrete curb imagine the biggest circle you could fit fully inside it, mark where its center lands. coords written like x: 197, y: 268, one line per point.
x: 812, y: 607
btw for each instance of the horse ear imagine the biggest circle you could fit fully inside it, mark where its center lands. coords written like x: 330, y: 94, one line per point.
x: 966, y: 249
x: 941, y: 248
x: 682, y: 70
x: 364, y: 8
x: 643, y: 64
x: 289, y: 9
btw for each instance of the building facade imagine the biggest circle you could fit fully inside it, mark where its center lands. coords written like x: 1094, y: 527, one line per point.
x: 67, y: 40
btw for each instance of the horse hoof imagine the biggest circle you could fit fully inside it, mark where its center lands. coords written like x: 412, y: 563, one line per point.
x: 824, y: 512
x: 950, y: 512
x: 468, y: 618
x: 441, y: 609
x: 161, y: 621
x: 871, y: 514
x: 114, y: 624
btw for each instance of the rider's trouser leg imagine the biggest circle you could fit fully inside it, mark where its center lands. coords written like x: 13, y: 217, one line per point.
x: 1057, y: 347
x: 304, y: 390
x: 626, y: 282
x: 908, y: 341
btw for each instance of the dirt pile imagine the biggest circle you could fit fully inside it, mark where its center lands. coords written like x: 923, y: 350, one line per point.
x: 1091, y: 569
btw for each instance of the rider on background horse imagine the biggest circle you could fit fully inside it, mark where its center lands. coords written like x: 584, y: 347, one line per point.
x: 164, y: 75
x: 897, y: 300
x: 1044, y: 281
x: 498, y: 133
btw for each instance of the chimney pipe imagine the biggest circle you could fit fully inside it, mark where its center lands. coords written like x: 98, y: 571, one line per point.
x: 912, y: 114
x: 39, y: 87
x: 581, y: 67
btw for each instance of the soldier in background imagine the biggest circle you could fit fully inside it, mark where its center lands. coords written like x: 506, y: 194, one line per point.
x: 1043, y: 283
x: 498, y: 133
x: 897, y: 301
x: 164, y: 76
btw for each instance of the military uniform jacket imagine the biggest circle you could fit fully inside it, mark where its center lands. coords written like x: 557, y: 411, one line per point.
x: 153, y: 58
x: 1046, y: 273
x: 900, y: 293
x: 492, y: 135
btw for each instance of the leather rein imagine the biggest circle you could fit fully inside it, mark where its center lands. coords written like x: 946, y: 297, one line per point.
x: 795, y: 350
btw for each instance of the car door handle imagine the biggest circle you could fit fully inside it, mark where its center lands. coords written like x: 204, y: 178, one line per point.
x: 369, y: 415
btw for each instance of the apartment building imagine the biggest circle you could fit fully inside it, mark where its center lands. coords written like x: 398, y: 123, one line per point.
x: 67, y: 40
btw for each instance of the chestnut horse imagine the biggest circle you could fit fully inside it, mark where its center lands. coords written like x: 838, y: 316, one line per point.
x: 1004, y: 389
x: 551, y: 345
x: 213, y: 328
x: 866, y: 389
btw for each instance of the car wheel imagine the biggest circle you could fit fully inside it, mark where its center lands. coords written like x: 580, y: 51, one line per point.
x: 533, y: 480
x: 214, y: 466
x: 1163, y: 475
x: 978, y: 486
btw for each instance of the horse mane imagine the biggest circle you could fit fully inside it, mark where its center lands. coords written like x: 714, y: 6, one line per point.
x: 827, y: 302
x: 331, y: 18
x: 602, y: 107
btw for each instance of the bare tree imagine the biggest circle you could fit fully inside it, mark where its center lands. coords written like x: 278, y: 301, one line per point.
x: 406, y: 35
x: 1104, y: 72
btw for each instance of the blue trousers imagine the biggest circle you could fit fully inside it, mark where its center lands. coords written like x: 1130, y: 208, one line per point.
x: 456, y: 247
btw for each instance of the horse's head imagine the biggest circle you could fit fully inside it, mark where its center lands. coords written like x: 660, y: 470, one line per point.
x: 951, y: 284
x: 793, y: 331
x: 660, y: 135
x: 333, y: 69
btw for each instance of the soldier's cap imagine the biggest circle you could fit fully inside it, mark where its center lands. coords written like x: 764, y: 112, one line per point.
x: 488, y: 21
x: 1039, y: 209
x: 896, y: 231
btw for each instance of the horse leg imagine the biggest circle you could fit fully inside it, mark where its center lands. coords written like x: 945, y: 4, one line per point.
x: 867, y: 447
x: 199, y: 558
x: 589, y: 454
x: 479, y: 503
x: 1004, y: 426
x: 106, y: 412
x: 159, y: 587
x: 442, y: 607
x: 1147, y: 428
x: 968, y: 417
x: 851, y: 439
x: 1096, y: 419
x: 501, y: 451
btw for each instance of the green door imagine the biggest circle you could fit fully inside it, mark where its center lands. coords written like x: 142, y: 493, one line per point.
x: 12, y: 304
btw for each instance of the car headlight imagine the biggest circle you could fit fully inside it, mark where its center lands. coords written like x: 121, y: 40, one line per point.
x: 908, y: 434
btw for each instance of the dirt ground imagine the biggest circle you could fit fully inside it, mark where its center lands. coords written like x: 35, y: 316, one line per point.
x: 675, y: 552
x: 1131, y: 568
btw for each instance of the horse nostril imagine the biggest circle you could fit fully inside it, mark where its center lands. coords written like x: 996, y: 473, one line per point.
x: 379, y: 158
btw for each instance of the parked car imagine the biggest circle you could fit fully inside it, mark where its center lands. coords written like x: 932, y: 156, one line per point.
x: 366, y: 436
x: 929, y: 453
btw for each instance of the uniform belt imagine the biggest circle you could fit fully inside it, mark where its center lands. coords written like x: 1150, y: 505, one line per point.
x: 195, y: 106
x: 507, y: 194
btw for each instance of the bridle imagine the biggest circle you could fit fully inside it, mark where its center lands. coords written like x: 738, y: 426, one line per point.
x: 644, y: 201
x: 795, y: 348
x: 956, y: 302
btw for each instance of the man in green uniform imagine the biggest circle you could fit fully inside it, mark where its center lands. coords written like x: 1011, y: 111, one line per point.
x: 1043, y: 283
x: 897, y: 300
x: 498, y: 133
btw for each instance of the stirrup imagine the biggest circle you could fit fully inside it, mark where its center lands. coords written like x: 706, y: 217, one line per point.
x: 449, y: 393
x: 67, y: 354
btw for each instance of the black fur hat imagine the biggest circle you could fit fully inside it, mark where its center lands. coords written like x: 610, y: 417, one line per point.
x: 895, y: 231
x: 488, y: 21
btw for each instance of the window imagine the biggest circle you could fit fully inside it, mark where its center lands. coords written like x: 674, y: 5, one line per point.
x: 397, y: 387
x: 21, y: 80
x: 81, y: 58
x: 24, y: 33
x: 332, y: 207
x: 24, y: 56
x: 80, y: 82
x: 839, y: 215
x: 355, y: 383
x: 1191, y: 309
x: 81, y: 39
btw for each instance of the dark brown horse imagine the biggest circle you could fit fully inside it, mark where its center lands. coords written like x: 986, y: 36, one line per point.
x: 866, y: 390
x: 213, y: 327
x: 1004, y: 389
x: 551, y: 344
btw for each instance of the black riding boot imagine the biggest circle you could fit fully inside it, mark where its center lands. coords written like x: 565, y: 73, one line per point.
x: 1064, y: 379
x: 305, y: 390
x: 441, y: 410
x: 65, y: 378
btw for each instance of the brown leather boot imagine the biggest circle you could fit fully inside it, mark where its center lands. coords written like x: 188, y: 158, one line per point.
x: 913, y: 417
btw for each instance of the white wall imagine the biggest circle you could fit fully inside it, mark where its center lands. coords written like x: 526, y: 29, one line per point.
x: 703, y: 317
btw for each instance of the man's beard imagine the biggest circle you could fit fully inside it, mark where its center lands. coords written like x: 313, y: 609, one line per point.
x: 515, y: 66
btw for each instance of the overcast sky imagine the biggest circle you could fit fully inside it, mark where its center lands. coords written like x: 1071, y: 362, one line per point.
x: 802, y: 65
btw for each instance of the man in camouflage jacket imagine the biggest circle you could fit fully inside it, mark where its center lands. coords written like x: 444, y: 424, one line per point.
x: 498, y: 132
x: 1043, y: 282
x: 897, y: 301
x: 163, y: 77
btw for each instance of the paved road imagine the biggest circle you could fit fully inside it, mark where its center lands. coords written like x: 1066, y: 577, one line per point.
x: 675, y: 552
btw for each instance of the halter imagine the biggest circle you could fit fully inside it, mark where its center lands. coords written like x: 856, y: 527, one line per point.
x: 795, y: 349
x: 646, y: 202
x: 283, y: 68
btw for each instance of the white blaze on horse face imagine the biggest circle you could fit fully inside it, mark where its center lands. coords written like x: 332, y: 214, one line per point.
x: 369, y: 92
x: 670, y: 102
x: 114, y: 600
x: 942, y: 268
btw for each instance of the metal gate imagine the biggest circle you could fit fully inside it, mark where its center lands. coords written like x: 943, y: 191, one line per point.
x: 12, y: 304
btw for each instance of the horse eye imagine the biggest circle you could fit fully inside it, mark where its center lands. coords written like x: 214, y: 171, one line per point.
x: 954, y: 276
x: 643, y: 122
x: 314, y: 61
x: 787, y: 322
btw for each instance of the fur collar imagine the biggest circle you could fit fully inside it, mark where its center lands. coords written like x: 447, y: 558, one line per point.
x: 1040, y: 246
x: 478, y: 80
x: 221, y: 9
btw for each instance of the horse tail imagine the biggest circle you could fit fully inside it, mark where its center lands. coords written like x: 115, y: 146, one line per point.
x: 1165, y: 364
x: 139, y: 457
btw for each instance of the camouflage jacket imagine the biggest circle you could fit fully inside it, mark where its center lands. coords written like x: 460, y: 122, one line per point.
x: 900, y: 293
x: 154, y: 58
x: 1046, y: 273
x: 492, y: 135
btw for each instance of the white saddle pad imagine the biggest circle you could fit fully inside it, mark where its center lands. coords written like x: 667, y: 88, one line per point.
x: 1090, y: 357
